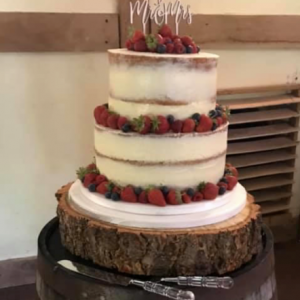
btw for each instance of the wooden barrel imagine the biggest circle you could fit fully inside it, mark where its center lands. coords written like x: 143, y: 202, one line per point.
x: 254, y: 281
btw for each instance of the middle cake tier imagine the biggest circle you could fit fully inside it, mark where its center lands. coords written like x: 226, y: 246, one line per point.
x: 175, y: 160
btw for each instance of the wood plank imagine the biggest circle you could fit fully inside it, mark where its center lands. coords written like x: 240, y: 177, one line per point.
x: 72, y: 32
x: 265, y: 170
x: 259, y: 158
x: 209, y: 28
x: 260, y: 131
x: 267, y: 208
x: 270, y: 195
x: 263, y: 115
x: 260, y: 145
x: 259, y: 89
x: 268, y: 182
x: 236, y: 104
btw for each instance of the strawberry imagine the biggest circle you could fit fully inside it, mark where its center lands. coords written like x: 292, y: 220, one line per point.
x: 137, y: 36
x: 219, y: 121
x: 232, y: 181
x: 142, y: 124
x: 100, y: 178
x: 197, y: 197
x: 121, y: 122
x: 174, y: 197
x: 128, y: 194
x: 89, y: 179
x: 175, y: 37
x: 103, y: 118
x: 187, y: 41
x: 223, y: 184
x: 165, y: 31
x: 210, y: 191
x: 102, y: 188
x: 170, y: 48
x: 159, y: 38
x: 112, y: 121
x: 188, y: 126
x: 177, y: 41
x: 91, y: 167
x: 179, y: 48
x: 167, y: 40
x: 177, y: 126
x: 140, y: 46
x: 143, y: 197
x: 97, y: 112
x: 186, y: 198
x: 129, y: 45
x: 205, y: 124
x: 160, y: 125
x: 233, y: 171
x: 156, y: 197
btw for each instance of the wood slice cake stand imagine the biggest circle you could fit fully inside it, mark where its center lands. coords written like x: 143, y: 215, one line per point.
x: 213, y: 249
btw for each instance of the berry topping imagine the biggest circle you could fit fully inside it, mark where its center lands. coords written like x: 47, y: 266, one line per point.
x: 129, y: 45
x: 160, y: 125
x: 213, y: 114
x: 91, y: 167
x: 170, y: 48
x: 137, y: 36
x: 112, y: 121
x: 103, y: 118
x: 174, y: 197
x: 128, y: 194
x: 223, y: 184
x: 187, y: 41
x: 167, y: 40
x: 121, y: 122
x: 161, y: 48
x: 142, y: 124
x: 92, y: 188
x: 205, y: 124
x: 222, y: 190
x: 210, y: 191
x: 115, y: 196
x: 137, y: 190
x: 165, y: 190
x: 219, y: 121
x: 190, y: 192
x: 156, y: 197
x: 179, y: 48
x: 97, y: 113
x: 177, y: 40
x: 89, y: 179
x: 143, y: 197
x: 232, y: 181
x: 170, y: 119
x: 165, y: 31
x: 126, y: 127
x: 100, y: 179
x: 177, y: 126
x: 224, y: 180
x: 214, y: 126
x: 107, y: 195
x: 196, y: 117
x: 188, y: 126
x: 197, y: 197
x: 102, y: 188
x: 186, y: 198
x: 232, y: 170
x: 152, y: 42
x: 140, y: 46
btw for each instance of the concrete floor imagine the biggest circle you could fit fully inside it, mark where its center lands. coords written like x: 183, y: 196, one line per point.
x: 287, y: 273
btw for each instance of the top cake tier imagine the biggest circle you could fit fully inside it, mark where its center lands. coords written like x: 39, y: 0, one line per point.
x: 151, y: 83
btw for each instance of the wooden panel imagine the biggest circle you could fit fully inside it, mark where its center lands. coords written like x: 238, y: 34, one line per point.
x: 268, y: 182
x: 259, y: 102
x: 260, y: 131
x: 259, y: 89
x: 267, y: 208
x: 72, y: 32
x: 260, y: 145
x: 270, y: 195
x: 264, y: 115
x: 259, y: 158
x: 243, y: 28
x: 264, y: 170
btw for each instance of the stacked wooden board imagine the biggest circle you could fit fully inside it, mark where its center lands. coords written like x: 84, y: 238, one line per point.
x: 263, y: 139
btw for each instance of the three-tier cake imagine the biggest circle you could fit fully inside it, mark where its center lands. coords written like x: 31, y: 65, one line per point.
x: 160, y: 199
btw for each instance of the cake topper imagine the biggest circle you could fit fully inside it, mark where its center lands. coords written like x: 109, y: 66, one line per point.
x: 160, y: 12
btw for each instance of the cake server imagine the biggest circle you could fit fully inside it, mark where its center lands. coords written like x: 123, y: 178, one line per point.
x: 123, y: 280
x: 199, y: 281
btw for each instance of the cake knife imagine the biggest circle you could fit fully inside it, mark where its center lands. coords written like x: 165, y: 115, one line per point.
x: 199, y: 281
x: 123, y: 280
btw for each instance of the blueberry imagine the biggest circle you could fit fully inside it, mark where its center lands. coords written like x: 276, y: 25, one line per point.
x: 196, y: 117
x: 115, y: 196
x: 92, y: 188
x: 190, y: 192
x: 126, y: 127
x: 165, y: 190
x: 107, y: 195
x: 170, y: 119
x: 161, y: 48
x: 224, y: 180
x: 222, y: 190
x: 219, y: 113
x: 137, y: 190
x: 219, y: 107
x: 190, y: 49
x: 214, y: 127
x: 212, y: 114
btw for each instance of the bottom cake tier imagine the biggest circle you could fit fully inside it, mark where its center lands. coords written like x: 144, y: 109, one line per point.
x: 212, y: 249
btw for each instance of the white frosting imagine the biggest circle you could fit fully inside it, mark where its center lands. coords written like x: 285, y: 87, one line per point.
x: 133, y: 110
x: 179, y: 176
x: 148, y: 216
x: 160, y: 148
